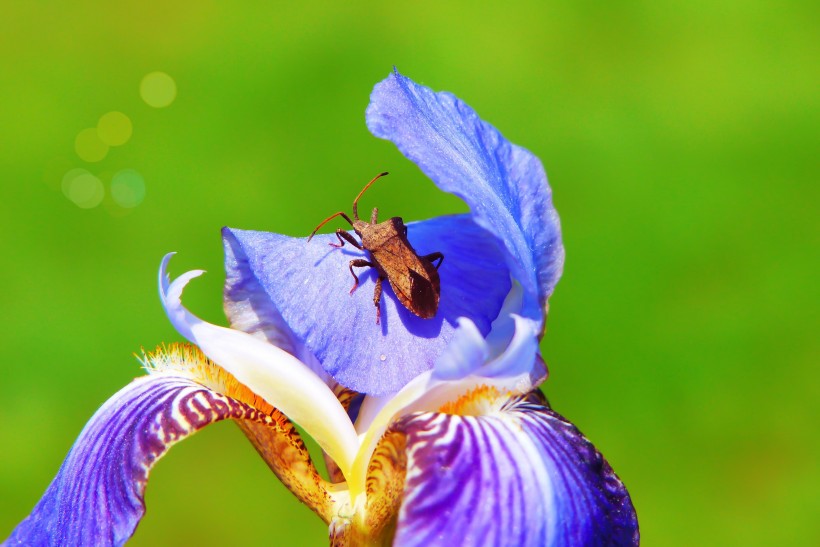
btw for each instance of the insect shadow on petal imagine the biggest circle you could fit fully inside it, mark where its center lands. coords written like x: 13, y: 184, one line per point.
x: 414, y: 278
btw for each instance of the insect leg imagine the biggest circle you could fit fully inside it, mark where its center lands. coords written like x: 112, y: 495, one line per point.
x: 435, y: 256
x: 357, y: 263
x: 350, y: 239
x: 377, y: 298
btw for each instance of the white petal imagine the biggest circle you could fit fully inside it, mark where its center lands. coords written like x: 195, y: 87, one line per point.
x: 270, y: 372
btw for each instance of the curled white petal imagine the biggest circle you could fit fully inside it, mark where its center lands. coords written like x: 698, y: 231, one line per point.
x: 519, y: 354
x: 270, y: 372
x: 466, y: 352
x: 503, y: 327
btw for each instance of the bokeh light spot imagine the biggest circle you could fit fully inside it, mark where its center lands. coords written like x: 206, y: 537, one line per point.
x: 54, y: 171
x: 83, y: 188
x: 158, y: 89
x: 70, y: 175
x: 128, y: 188
x: 114, y: 128
x: 89, y: 146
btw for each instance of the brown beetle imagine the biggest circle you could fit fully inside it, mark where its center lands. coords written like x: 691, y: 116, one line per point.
x: 414, y: 278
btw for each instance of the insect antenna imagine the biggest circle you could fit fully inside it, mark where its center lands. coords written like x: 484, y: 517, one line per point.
x: 356, y: 201
x: 328, y: 219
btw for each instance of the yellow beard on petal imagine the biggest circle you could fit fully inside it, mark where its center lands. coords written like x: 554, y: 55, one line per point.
x: 277, y: 440
x: 481, y: 401
x: 188, y: 360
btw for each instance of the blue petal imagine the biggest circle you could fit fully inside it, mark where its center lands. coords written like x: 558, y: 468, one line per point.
x: 504, y: 184
x: 525, y: 476
x: 470, y: 353
x: 467, y: 352
x: 307, y: 286
x: 97, y: 496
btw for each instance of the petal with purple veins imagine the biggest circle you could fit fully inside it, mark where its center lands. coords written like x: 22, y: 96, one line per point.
x: 97, y: 496
x: 522, y: 475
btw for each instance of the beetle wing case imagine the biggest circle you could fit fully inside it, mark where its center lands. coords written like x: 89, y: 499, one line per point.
x: 414, y: 280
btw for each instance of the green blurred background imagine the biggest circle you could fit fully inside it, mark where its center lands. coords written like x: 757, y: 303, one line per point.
x: 680, y: 139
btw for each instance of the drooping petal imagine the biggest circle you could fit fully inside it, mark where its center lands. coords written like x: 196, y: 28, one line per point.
x: 270, y: 372
x: 97, y: 496
x: 308, y: 285
x: 504, y: 185
x: 520, y: 476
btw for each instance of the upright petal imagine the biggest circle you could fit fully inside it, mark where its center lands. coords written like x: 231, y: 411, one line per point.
x: 470, y: 354
x: 97, y: 496
x: 307, y: 285
x: 504, y: 185
x: 520, y: 476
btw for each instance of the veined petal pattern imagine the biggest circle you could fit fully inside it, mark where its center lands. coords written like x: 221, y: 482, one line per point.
x: 521, y: 476
x: 97, y: 496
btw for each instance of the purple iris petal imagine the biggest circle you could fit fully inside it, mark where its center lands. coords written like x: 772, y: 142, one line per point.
x: 97, y: 496
x: 504, y: 184
x: 308, y: 283
x: 524, y: 476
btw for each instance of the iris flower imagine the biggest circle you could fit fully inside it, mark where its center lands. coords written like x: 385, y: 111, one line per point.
x: 434, y: 430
